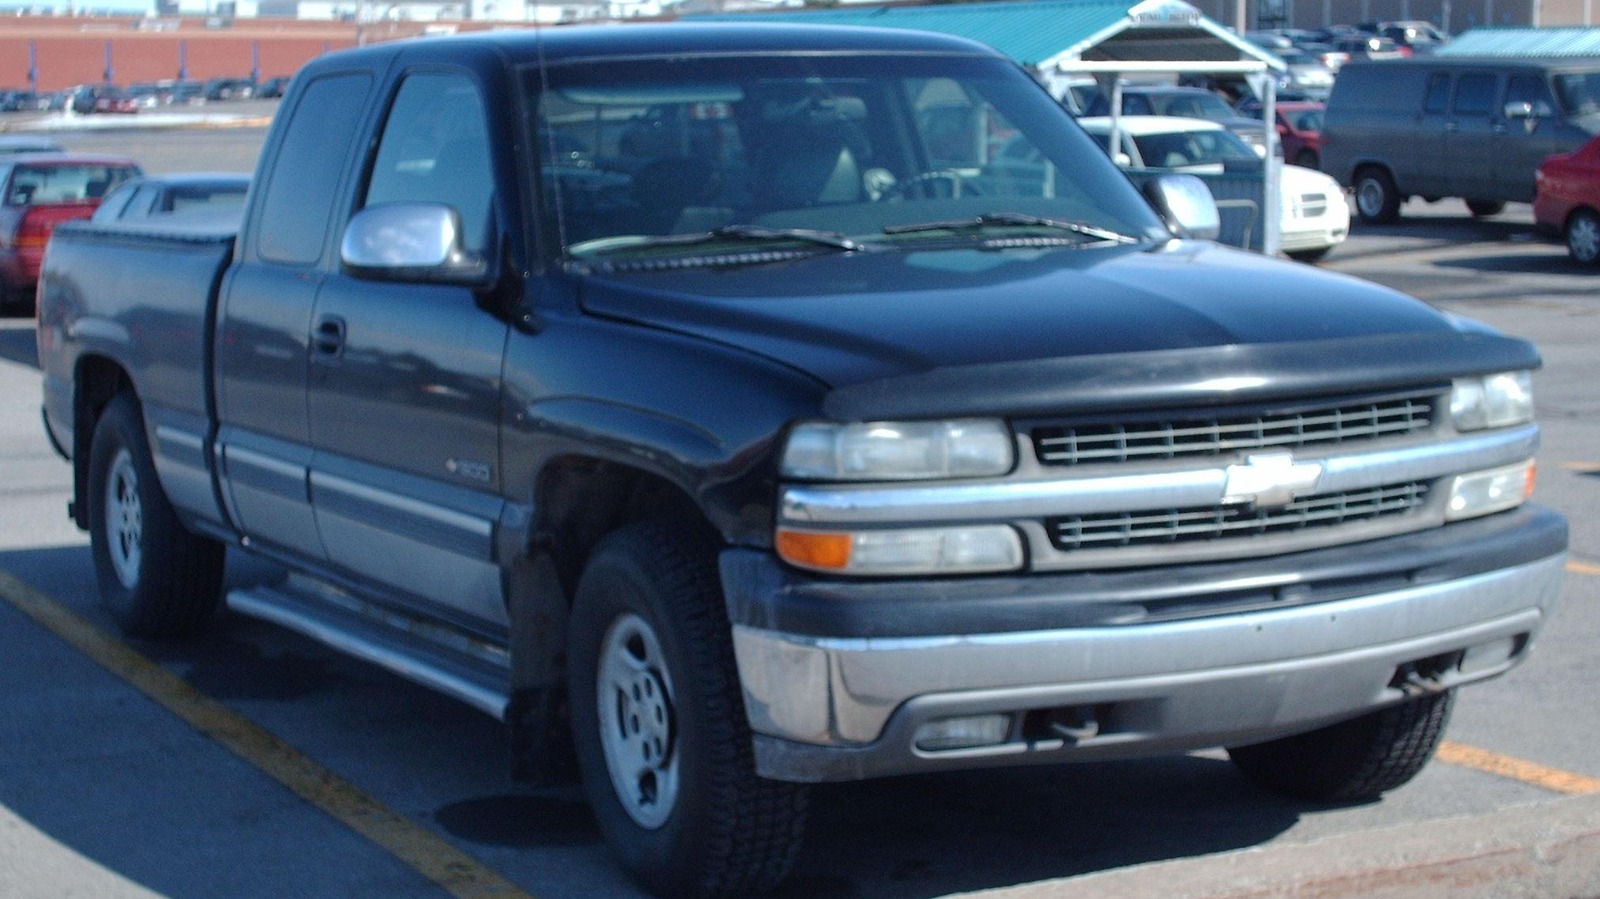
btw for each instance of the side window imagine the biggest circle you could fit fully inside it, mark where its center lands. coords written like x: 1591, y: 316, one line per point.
x: 302, y: 188
x: 1438, y: 96
x: 1474, y: 94
x: 1530, y: 89
x: 435, y: 149
x: 143, y: 202
x: 115, y: 203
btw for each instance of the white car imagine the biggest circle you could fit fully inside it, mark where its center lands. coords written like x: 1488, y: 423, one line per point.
x: 1316, y: 215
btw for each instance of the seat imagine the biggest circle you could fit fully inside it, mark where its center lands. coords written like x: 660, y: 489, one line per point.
x: 663, y: 188
x: 809, y: 165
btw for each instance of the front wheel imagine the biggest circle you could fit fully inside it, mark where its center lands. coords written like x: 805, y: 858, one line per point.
x: 1351, y: 761
x: 659, y: 723
x: 1583, y: 237
x: 1377, y: 198
x: 156, y: 578
x: 1484, y: 208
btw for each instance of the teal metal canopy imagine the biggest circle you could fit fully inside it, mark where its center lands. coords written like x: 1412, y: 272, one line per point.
x: 1530, y: 43
x: 1049, y: 34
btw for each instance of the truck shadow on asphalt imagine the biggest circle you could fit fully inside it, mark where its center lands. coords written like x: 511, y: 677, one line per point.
x: 899, y: 838
x: 932, y: 835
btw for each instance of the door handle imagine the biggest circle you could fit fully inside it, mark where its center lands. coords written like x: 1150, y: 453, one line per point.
x: 328, y: 338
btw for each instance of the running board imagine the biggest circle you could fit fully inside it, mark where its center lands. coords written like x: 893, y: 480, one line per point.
x: 422, y: 651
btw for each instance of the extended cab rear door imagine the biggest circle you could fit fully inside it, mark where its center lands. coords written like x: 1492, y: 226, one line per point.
x: 405, y: 386
x: 264, y: 317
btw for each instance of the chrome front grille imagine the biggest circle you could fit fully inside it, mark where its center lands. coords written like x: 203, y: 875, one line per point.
x: 1189, y: 435
x: 1171, y: 526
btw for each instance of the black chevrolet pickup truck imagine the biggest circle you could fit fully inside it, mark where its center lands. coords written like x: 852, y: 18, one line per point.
x: 730, y: 408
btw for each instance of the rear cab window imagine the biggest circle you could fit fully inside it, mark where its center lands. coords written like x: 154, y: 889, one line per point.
x: 38, y: 183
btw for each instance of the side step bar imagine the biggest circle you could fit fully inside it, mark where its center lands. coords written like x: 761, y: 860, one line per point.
x: 424, y: 652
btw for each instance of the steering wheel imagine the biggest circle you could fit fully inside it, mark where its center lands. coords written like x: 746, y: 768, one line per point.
x: 957, y: 181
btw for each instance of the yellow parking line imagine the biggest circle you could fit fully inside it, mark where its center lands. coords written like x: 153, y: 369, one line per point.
x: 1517, y: 769
x: 1583, y: 568
x: 1582, y: 467
x: 424, y: 851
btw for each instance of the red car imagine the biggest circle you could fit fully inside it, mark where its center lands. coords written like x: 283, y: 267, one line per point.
x: 1568, y: 200
x: 39, y: 191
x: 1300, y: 132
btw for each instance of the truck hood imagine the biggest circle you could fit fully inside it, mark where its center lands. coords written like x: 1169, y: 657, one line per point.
x: 872, y: 317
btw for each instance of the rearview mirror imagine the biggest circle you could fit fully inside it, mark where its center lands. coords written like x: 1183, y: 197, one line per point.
x: 410, y: 242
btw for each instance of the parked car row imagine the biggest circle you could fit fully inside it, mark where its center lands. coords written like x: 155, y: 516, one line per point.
x: 111, y: 98
x: 43, y: 185
x: 1314, y: 216
x: 38, y: 191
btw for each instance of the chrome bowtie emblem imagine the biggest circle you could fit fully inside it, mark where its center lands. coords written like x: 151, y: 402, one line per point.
x: 1270, y: 479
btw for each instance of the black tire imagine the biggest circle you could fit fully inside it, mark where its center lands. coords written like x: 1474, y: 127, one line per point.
x: 1309, y: 256
x: 1484, y: 208
x: 668, y: 766
x: 1352, y: 761
x: 1583, y: 237
x: 1307, y: 159
x: 1377, y: 199
x: 156, y: 578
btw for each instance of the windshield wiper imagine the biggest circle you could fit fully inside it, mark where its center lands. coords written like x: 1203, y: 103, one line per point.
x: 1011, y: 219
x: 831, y: 239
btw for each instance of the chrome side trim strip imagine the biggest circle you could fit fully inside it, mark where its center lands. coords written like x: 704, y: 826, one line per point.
x: 267, y: 473
x: 446, y: 528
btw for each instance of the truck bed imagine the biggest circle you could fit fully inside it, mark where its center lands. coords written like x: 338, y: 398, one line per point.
x: 143, y: 294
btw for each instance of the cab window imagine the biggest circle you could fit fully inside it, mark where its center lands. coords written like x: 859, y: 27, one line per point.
x: 435, y: 149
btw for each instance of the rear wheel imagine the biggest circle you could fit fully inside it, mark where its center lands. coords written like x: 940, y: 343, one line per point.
x: 156, y: 578
x: 1354, y: 760
x: 1310, y: 255
x: 1377, y: 199
x: 1484, y: 208
x: 1583, y: 237
x: 659, y: 723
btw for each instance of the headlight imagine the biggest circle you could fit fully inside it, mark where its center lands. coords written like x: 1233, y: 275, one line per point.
x: 898, y: 451
x: 1494, y: 401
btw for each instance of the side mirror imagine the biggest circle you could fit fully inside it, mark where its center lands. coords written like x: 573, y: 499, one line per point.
x: 1186, y: 204
x: 1519, y: 110
x: 410, y: 242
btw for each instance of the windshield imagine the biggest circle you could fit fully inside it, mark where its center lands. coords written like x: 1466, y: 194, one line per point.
x: 1198, y: 105
x: 1579, y: 92
x: 811, y: 149
x: 32, y: 184
x: 1180, y: 149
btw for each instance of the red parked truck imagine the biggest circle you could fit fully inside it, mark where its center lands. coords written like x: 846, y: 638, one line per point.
x: 37, y: 192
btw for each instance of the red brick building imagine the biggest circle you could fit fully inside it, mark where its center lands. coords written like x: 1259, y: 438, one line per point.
x: 50, y: 53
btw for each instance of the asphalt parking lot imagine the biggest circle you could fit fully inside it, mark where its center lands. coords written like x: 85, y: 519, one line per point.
x: 253, y: 763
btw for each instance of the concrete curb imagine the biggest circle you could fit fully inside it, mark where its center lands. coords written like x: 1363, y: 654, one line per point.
x: 78, y: 124
x: 1550, y: 850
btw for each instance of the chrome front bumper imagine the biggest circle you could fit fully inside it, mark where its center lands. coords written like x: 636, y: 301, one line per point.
x: 845, y: 708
